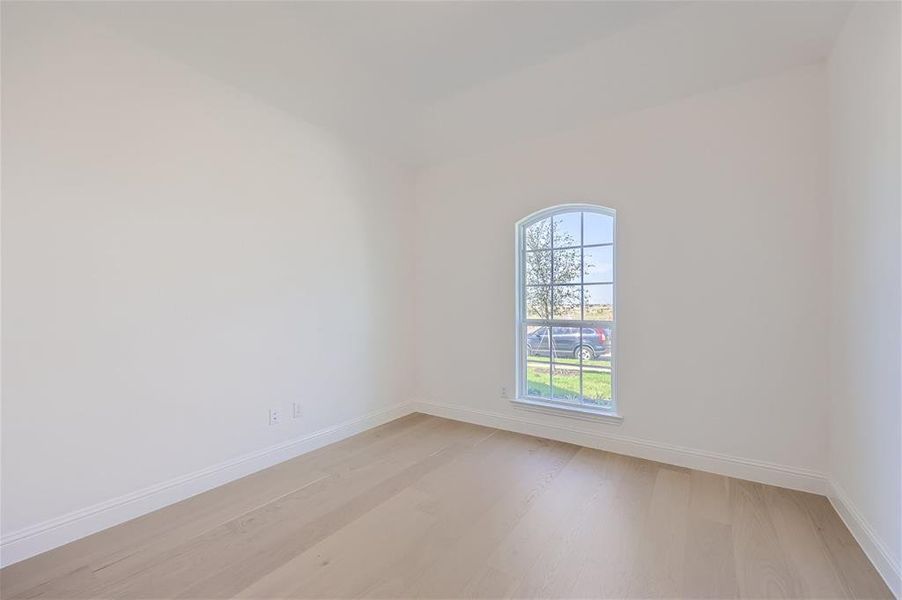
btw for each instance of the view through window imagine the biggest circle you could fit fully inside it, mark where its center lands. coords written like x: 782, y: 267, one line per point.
x: 566, y: 297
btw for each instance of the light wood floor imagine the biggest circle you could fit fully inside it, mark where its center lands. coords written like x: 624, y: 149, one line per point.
x: 425, y: 507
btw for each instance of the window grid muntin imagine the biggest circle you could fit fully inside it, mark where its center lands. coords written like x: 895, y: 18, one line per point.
x: 582, y: 299
x: 548, y: 285
x: 601, y: 245
x: 550, y: 328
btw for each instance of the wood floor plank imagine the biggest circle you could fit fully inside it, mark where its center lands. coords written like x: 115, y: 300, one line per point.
x: 449, y: 493
x: 615, y: 534
x: 807, y: 552
x: 710, y: 568
x: 431, y: 508
x: 474, y: 499
x: 492, y: 583
x: 663, y: 541
x: 848, y: 559
x: 542, y: 525
x: 763, y: 570
x: 555, y: 570
x: 340, y: 566
x: 467, y: 545
x: 709, y: 497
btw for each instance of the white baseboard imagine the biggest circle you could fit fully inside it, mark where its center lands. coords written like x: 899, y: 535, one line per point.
x: 50, y: 534
x: 869, y: 541
x: 740, y: 468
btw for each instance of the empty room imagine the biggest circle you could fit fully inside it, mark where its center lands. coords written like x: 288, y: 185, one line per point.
x: 461, y: 299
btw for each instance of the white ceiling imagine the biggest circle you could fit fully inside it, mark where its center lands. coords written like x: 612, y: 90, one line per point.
x: 427, y: 81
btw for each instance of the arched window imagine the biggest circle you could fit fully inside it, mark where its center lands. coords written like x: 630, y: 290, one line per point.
x: 565, y: 308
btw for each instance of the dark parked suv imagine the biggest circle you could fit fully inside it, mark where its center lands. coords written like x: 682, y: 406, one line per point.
x: 566, y: 342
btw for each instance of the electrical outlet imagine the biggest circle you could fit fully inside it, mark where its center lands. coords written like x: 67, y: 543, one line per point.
x: 274, y: 416
x: 296, y: 410
x: 504, y: 393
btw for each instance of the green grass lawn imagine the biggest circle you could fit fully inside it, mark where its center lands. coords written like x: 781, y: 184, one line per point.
x: 601, y: 361
x: 596, y: 385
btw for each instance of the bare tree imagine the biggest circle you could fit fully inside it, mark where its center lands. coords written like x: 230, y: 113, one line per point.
x: 544, y: 267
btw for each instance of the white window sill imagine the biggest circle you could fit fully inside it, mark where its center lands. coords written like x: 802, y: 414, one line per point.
x: 576, y: 412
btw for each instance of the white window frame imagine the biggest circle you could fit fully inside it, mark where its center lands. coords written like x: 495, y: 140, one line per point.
x: 550, y: 405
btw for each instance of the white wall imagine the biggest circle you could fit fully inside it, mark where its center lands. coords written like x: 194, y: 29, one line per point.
x: 865, y: 424
x: 178, y: 257
x: 723, y: 263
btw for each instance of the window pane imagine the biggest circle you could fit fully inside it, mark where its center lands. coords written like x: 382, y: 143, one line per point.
x: 598, y: 228
x: 566, y: 265
x: 537, y: 344
x: 565, y: 302
x: 538, y: 235
x: 567, y: 230
x: 594, y: 345
x: 598, y: 264
x: 538, y: 302
x: 564, y: 342
x: 601, y: 360
x: 538, y: 381
x: 538, y: 267
x: 597, y: 386
x: 599, y: 302
x: 565, y: 382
